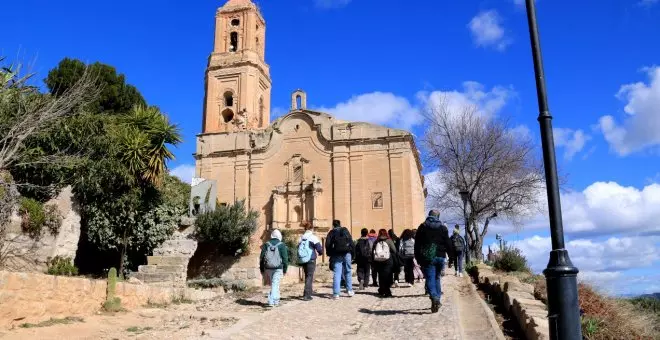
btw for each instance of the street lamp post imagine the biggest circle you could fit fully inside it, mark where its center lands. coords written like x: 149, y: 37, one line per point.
x: 561, y: 275
x: 464, y: 196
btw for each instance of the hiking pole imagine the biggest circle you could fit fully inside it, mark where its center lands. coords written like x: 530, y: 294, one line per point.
x: 560, y: 275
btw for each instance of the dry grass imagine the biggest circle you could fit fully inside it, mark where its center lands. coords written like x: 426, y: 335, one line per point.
x: 608, y: 318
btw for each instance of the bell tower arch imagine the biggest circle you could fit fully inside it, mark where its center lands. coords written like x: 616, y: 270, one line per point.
x: 238, y: 83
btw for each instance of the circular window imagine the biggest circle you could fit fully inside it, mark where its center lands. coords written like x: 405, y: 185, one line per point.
x: 235, y: 22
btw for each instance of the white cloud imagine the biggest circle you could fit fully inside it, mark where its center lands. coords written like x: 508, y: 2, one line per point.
x: 603, y: 263
x: 185, y: 172
x: 573, y: 141
x: 641, y: 127
x: 382, y: 108
x: 488, y: 102
x: 487, y: 30
x: 326, y: 4
x: 603, y: 208
x: 385, y: 108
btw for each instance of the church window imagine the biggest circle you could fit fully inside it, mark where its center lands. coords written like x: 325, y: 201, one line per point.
x: 227, y: 115
x: 298, y: 102
x: 298, y: 173
x: 261, y: 111
x: 229, y: 99
x: 235, y: 22
x: 233, y: 42
x: 377, y: 200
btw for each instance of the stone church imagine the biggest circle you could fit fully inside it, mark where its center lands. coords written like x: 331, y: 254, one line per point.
x: 306, y: 165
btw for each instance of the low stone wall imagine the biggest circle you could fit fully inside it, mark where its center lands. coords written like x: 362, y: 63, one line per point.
x: 518, y: 299
x: 32, y: 297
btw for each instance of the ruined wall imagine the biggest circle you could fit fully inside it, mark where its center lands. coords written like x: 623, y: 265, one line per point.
x: 37, y: 251
x: 32, y: 297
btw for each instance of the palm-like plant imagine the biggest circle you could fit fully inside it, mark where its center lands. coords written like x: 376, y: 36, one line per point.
x: 143, y: 141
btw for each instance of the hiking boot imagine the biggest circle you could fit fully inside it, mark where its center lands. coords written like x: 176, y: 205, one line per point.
x: 361, y: 286
x: 435, y: 306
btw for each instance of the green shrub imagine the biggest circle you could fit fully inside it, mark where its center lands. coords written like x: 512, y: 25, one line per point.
x: 590, y: 327
x: 228, y: 227
x: 35, y: 216
x: 112, y: 303
x: 237, y: 286
x: 62, y: 266
x: 290, y: 239
x: 511, y: 259
x: 32, y: 216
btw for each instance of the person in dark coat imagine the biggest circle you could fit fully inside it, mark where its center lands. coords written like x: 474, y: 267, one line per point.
x: 363, y: 256
x: 372, y: 236
x: 396, y: 270
x: 431, y: 247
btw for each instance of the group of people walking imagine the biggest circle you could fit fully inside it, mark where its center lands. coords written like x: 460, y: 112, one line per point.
x: 423, y: 253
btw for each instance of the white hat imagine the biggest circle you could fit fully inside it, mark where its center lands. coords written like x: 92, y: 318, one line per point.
x: 276, y: 234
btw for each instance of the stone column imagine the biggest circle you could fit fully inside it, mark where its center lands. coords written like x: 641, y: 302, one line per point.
x: 358, y: 205
x: 397, y: 190
x: 342, y: 185
x: 242, y: 177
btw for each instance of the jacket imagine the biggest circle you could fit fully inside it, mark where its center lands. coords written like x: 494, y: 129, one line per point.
x: 358, y: 245
x: 431, y: 241
x: 314, y: 243
x: 284, y: 253
x: 462, y: 240
x: 329, y: 241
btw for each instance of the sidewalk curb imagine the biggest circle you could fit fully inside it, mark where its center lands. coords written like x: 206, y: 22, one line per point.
x: 489, y: 312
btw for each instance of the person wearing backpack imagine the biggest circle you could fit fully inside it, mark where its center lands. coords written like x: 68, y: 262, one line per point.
x: 363, y: 253
x: 309, y: 247
x: 458, y: 244
x: 407, y: 254
x: 431, y: 246
x: 384, y: 259
x: 339, y: 247
x: 274, y: 262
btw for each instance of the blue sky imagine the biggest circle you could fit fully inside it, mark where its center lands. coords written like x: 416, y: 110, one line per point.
x: 378, y: 58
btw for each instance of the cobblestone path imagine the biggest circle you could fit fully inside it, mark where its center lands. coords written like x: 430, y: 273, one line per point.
x: 365, y: 316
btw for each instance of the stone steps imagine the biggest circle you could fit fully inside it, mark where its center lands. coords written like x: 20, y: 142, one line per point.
x: 155, y: 277
x: 150, y: 268
x: 168, y: 260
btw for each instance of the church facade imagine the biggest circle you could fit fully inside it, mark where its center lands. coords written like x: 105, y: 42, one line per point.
x: 306, y: 166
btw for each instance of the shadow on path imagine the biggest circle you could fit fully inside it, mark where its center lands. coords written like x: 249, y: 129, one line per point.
x: 396, y: 312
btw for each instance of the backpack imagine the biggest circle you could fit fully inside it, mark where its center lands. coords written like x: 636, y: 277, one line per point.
x: 273, y: 259
x: 304, y: 251
x: 458, y: 243
x: 408, y: 248
x: 342, y: 242
x: 382, y: 252
x: 364, y: 249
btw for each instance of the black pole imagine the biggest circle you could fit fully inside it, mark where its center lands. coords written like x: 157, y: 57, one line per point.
x: 560, y: 275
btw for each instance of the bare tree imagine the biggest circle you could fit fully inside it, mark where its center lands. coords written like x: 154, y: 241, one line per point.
x: 497, y: 167
x: 24, y: 112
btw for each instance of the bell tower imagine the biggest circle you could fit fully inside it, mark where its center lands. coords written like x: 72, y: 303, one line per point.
x: 237, y: 78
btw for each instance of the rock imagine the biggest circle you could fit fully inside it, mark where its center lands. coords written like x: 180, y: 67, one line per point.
x: 135, y: 280
x: 520, y: 287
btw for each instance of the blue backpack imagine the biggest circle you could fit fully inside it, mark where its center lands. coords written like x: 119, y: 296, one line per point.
x: 304, y: 251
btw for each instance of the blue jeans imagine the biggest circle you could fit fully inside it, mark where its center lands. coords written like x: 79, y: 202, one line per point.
x: 460, y: 256
x: 275, y: 278
x: 341, y: 267
x: 432, y: 272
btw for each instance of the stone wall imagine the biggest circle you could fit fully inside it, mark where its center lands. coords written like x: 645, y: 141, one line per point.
x: 32, y: 297
x: 518, y: 299
x: 37, y: 251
